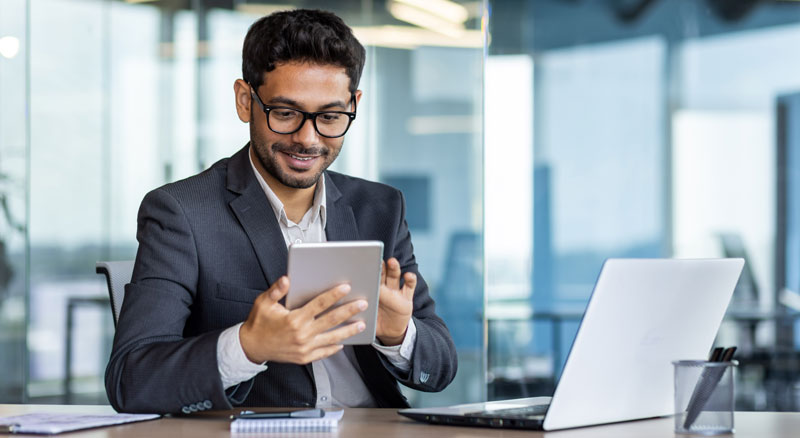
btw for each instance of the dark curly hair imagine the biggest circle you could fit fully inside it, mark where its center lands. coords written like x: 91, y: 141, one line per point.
x: 301, y: 35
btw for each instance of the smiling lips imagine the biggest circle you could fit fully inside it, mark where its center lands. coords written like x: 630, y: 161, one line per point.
x: 299, y: 161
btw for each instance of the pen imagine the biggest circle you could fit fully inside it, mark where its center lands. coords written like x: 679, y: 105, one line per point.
x: 728, y: 354
x: 304, y: 413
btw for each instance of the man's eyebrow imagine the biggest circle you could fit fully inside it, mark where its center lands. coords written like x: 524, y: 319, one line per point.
x: 281, y: 100
x: 335, y: 104
x: 284, y: 101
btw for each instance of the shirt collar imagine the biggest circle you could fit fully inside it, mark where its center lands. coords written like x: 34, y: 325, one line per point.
x: 318, y: 208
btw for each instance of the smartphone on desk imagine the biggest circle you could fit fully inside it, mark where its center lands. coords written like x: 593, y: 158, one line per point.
x: 314, y: 268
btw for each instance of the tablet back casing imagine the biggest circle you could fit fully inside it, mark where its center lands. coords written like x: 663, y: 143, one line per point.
x: 314, y: 268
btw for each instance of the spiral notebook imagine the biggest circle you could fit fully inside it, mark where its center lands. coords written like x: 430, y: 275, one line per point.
x: 262, y: 425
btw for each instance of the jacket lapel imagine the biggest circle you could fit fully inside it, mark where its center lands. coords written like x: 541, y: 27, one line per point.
x: 254, y: 213
x: 341, y: 222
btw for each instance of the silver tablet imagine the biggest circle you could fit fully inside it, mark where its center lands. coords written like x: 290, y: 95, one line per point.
x: 316, y: 267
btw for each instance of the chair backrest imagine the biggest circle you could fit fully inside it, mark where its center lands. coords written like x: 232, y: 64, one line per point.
x: 118, y: 274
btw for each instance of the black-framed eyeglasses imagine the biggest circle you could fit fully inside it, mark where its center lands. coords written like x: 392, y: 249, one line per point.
x: 286, y: 120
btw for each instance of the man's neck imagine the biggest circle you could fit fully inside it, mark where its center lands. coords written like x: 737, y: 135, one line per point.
x: 296, y: 202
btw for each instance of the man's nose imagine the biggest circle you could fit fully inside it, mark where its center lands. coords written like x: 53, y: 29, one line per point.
x: 307, y: 134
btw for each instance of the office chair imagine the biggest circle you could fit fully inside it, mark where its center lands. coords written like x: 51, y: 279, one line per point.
x: 118, y: 274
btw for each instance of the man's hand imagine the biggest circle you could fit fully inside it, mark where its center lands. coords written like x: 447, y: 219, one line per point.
x: 273, y: 333
x: 396, y: 305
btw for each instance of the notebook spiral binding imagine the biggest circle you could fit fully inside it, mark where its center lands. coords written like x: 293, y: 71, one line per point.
x: 252, y: 426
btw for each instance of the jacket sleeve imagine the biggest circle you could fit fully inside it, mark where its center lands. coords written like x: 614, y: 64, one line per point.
x: 434, y: 361
x: 153, y: 367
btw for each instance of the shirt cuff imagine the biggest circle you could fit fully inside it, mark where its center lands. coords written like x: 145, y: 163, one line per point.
x: 234, y: 366
x: 400, y: 355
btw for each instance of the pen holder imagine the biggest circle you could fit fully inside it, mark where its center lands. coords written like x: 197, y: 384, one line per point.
x: 704, y: 397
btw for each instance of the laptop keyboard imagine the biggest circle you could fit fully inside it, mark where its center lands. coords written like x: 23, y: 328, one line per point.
x: 520, y: 413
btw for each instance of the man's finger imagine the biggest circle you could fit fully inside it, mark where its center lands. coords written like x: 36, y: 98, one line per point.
x: 393, y: 273
x: 323, y: 301
x: 340, y: 334
x: 338, y: 315
x: 383, y: 272
x: 409, y: 285
x: 279, y: 289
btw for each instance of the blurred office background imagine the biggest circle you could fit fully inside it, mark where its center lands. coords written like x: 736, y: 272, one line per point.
x: 104, y: 100
x: 533, y: 139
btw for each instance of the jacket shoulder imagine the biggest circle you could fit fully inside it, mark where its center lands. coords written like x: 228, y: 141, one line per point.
x: 212, y: 178
x: 359, y: 189
x: 197, y: 191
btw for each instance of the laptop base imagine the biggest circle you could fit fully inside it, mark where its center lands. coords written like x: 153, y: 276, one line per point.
x: 473, y: 421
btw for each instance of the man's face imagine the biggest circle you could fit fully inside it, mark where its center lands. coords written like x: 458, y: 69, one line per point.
x: 297, y: 160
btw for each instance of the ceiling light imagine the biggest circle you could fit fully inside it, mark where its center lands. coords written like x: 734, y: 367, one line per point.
x: 422, y: 18
x: 444, y: 9
x: 408, y: 37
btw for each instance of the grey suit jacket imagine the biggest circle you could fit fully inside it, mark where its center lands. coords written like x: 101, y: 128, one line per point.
x: 208, y: 245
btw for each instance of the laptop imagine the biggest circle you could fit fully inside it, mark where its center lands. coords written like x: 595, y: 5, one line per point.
x: 642, y: 315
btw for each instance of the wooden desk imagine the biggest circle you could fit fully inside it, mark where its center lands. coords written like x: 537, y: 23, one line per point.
x: 385, y: 423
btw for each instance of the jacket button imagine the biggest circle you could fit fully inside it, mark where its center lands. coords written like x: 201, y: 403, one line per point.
x: 207, y: 404
x: 186, y: 410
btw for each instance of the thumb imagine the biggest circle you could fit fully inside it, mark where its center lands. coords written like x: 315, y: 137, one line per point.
x: 279, y: 289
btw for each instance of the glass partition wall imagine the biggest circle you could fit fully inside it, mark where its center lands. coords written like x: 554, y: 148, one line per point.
x: 641, y: 129
x: 105, y: 100
x: 14, y: 134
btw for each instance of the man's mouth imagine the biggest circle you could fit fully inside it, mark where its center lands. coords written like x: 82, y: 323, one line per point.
x: 300, y: 162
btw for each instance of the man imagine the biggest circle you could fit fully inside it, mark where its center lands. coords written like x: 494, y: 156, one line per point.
x: 203, y: 325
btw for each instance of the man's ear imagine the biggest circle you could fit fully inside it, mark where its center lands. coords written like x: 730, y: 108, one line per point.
x: 241, y: 92
x: 358, y: 97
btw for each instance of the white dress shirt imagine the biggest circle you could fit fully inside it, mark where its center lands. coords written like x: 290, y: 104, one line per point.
x: 342, y: 367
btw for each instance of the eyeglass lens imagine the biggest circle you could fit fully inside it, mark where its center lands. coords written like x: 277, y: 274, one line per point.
x: 285, y: 120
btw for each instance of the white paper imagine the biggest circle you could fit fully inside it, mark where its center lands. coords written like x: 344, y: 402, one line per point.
x: 51, y: 423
